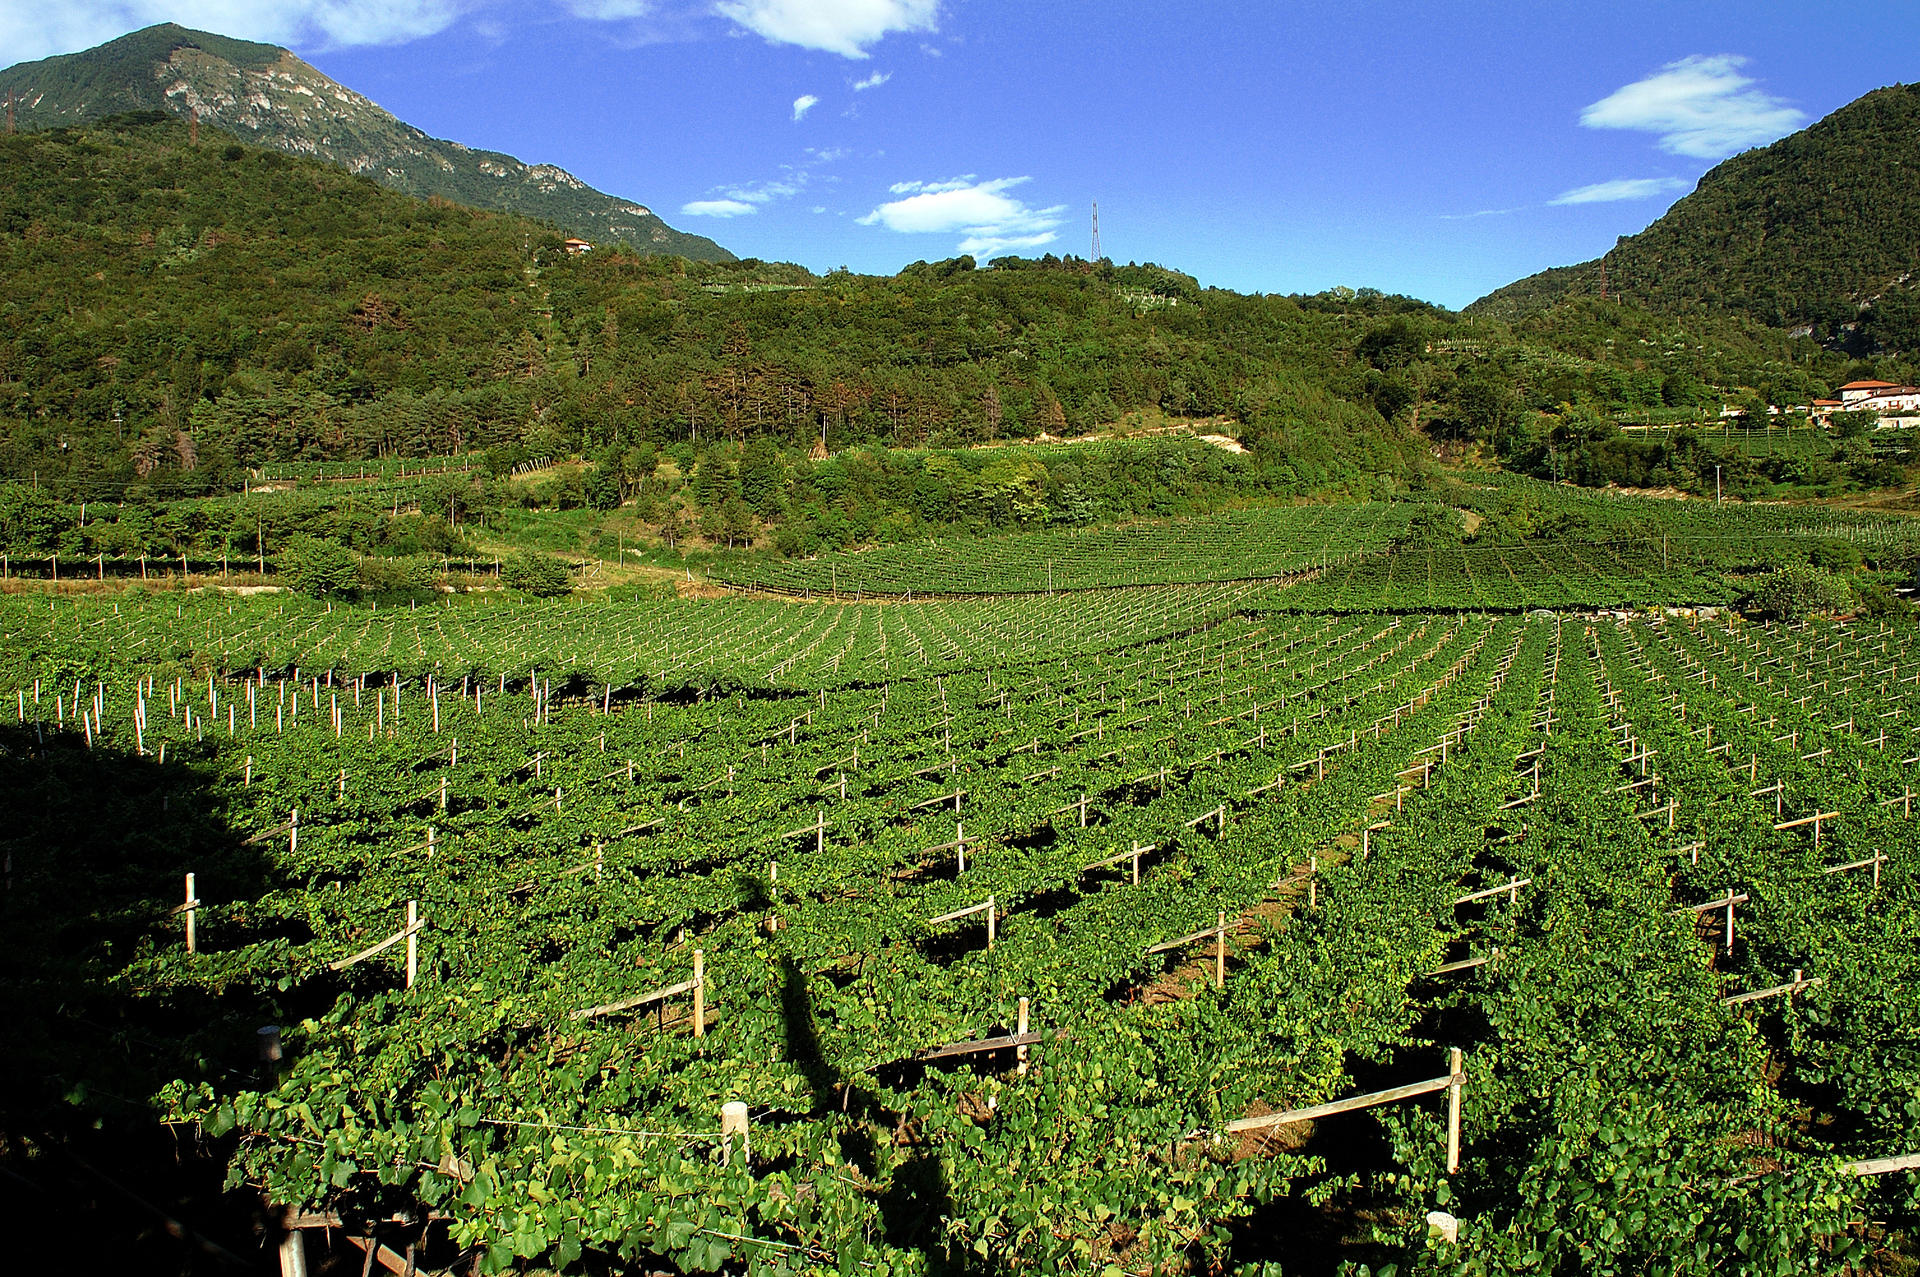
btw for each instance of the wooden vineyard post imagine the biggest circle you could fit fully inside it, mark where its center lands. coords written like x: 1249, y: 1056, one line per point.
x: 1020, y: 1028
x: 992, y: 913
x: 1220, y: 952
x: 413, y: 941
x: 700, y: 997
x: 818, y: 829
x: 190, y: 908
x: 1456, y: 1084
x: 733, y: 1122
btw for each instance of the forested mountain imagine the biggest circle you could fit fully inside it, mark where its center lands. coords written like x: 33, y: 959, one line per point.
x: 171, y: 312
x: 172, y: 308
x: 267, y: 96
x: 1814, y: 231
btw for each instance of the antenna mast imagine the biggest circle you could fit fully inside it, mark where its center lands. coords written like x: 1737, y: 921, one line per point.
x: 1095, y: 252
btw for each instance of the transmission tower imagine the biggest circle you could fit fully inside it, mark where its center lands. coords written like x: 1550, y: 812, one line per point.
x: 1095, y: 251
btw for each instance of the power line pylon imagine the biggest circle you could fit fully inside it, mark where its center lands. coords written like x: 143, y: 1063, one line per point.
x: 1094, y: 253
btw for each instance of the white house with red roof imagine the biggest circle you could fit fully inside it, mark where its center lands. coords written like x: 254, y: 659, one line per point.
x: 1854, y: 391
x: 1896, y: 406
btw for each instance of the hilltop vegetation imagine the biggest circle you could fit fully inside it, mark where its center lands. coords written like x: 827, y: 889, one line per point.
x: 173, y: 314
x: 1813, y: 231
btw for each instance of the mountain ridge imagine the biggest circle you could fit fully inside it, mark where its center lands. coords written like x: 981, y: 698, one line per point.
x: 268, y: 96
x: 1812, y: 232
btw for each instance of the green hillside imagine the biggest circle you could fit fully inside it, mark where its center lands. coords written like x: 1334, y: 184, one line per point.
x: 268, y: 96
x: 169, y: 308
x: 1816, y: 230
x: 171, y: 314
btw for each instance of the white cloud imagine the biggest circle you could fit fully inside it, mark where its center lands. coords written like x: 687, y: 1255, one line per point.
x: 608, y: 10
x: 749, y: 197
x: 804, y: 103
x: 767, y: 192
x: 34, y: 30
x: 845, y: 27
x: 1624, y: 188
x: 715, y: 208
x: 873, y: 81
x: 951, y: 184
x: 1700, y: 106
x: 987, y: 219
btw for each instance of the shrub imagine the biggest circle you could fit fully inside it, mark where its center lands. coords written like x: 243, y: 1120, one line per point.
x: 537, y: 574
x: 1793, y: 593
x: 393, y: 576
x: 319, y: 567
x: 1877, y: 599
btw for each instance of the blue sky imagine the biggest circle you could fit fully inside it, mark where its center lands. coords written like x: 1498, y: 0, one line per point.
x: 1439, y: 149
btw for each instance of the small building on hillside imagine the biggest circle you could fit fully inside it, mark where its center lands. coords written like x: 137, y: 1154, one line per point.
x: 577, y: 246
x: 1897, y: 407
x: 1857, y: 390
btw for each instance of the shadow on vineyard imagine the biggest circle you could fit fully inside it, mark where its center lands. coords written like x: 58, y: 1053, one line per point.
x: 1326, y: 1224
x: 916, y: 1200
x: 97, y: 843
x: 1320, y: 1240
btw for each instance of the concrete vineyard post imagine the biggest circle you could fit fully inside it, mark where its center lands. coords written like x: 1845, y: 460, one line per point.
x: 191, y: 908
x: 293, y: 1253
x: 1020, y: 1028
x: 734, y: 1125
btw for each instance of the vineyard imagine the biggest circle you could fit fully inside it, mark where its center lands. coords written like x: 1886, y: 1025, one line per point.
x: 1578, y: 550
x: 1023, y: 935
x: 1240, y: 545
